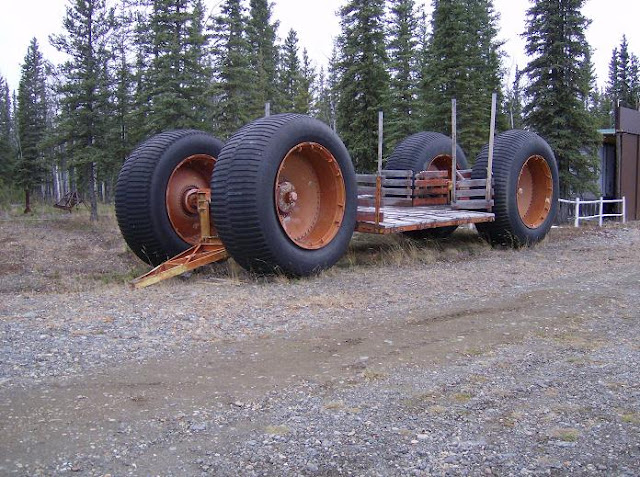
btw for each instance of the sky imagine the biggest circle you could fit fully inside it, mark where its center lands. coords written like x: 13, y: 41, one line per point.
x: 317, y: 25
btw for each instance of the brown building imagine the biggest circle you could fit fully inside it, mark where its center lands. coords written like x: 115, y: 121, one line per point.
x: 620, y: 161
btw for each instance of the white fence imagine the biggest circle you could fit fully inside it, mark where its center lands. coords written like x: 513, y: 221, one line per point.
x: 594, y: 209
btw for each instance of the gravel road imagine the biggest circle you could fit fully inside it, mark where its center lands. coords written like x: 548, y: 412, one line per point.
x: 406, y: 359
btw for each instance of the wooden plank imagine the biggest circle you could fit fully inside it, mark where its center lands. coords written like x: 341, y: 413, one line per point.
x: 473, y: 204
x: 386, y: 191
x: 431, y: 191
x: 466, y: 193
x: 369, y: 201
x: 432, y: 174
x: 397, y: 219
x: 371, y: 179
x: 431, y: 182
x: 419, y: 201
x: 469, y: 183
x: 397, y: 173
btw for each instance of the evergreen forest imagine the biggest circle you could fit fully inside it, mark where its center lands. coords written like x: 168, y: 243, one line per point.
x: 134, y: 68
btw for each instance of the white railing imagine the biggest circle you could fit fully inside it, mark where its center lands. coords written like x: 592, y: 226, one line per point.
x: 597, y: 209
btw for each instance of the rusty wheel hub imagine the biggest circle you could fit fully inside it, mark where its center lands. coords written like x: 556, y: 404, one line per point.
x: 192, y: 174
x: 287, y: 197
x: 534, y: 191
x: 310, y: 196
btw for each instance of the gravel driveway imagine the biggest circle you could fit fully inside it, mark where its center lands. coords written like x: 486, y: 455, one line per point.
x: 405, y: 359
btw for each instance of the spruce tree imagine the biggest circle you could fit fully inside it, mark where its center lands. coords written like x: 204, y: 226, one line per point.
x: 174, y: 89
x: 7, y: 150
x: 463, y: 62
x: 86, y: 106
x: 32, y: 122
x: 560, y: 77
x: 515, y: 102
x: 403, y: 66
x: 623, y: 87
x: 325, y: 108
x: 233, y: 71
x: 364, y: 80
x: 295, y: 87
x: 121, y: 125
x: 305, y: 96
x: 263, y: 59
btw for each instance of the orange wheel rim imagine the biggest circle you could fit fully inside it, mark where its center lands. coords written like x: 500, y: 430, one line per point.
x: 442, y: 163
x: 310, y: 196
x: 192, y: 174
x: 535, y: 191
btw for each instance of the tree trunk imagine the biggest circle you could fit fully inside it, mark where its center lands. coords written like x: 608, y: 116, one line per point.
x: 93, y: 191
x: 27, y: 201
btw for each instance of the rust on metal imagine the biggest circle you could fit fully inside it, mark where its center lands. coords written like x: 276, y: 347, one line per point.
x: 310, y: 195
x: 209, y: 249
x: 190, y: 176
x: 534, y: 191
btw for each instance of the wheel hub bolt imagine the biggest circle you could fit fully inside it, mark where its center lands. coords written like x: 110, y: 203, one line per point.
x: 286, y: 197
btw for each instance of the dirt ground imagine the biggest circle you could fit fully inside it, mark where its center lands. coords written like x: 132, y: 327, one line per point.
x: 407, y: 358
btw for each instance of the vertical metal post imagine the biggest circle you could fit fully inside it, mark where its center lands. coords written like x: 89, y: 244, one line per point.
x: 267, y: 109
x: 454, y: 148
x: 204, y: 199
x: 601, y: 218
x: 492, y: 136
x: 379, y: 175
x: 576, y: 222
x: 624, y: 210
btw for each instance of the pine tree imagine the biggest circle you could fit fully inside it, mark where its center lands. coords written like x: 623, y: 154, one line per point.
x: 325, y: 108
x: 233, y: 72
x: 263, y: 60
x: 290, y: 72
x: 7, y: 151
x: 322, y: 109
x: 560, y: 75
x: 121, y: 126
x: 462, y: 62
x: 403, y: 65
x: 623, y: 87
x: 364, y: 81
x: 86, y: 105
x: 174, y: 89
x: 514, y: 103
x: 305, y: 96
x: 600, y: 107
x: 32, y: 122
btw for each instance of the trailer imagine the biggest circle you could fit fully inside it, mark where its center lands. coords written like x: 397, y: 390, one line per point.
x: 282, y: 196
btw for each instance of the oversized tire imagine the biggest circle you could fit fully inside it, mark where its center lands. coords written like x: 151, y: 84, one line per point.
x: 525, y: 176
x: 284, y: 196
x: 156, y: 200
x: 427, y: 151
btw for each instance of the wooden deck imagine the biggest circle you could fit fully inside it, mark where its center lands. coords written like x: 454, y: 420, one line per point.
x: 405, y: 219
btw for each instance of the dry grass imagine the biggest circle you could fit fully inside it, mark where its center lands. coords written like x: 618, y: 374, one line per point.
x: 565, y: 434
x: 397, y: 249
x: 52, y: 250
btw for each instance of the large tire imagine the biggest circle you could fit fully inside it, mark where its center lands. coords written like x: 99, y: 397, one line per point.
x: 155, y: 192
x: 525, y: 176
x: 426, y: 151
x: 284, y: 196
x: 418, y: 152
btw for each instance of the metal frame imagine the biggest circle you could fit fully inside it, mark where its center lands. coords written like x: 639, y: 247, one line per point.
x: 208, y: 250
x: 448, y: 202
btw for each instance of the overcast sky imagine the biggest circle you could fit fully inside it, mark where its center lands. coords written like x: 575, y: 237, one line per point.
x: 317, y: 25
